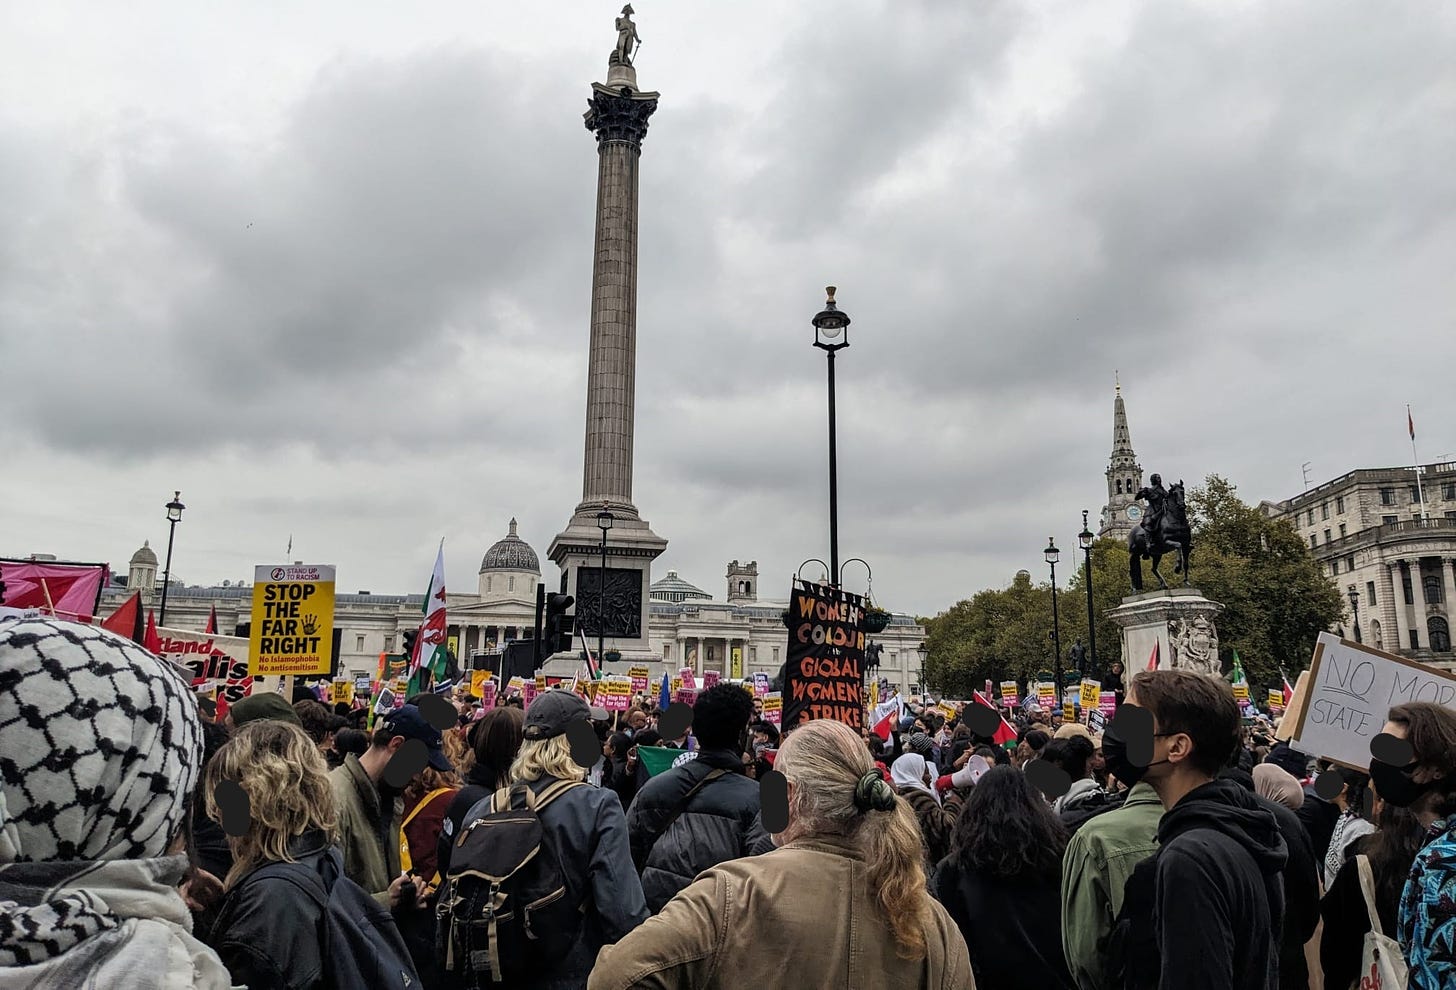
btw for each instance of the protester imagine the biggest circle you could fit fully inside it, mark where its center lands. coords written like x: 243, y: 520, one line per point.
x: 269, y: 929
x: 1217, y: 895
x: 1030, y: 747
x: 261, y: 704
x: 1426, y: 785
x: 1002, y: 883
x: 317, y: 721
x: 1277, y: 785
x: 841, y: 903
x: 1100, y: 857
x: 1112, y: 681
x: 102, y: 745
x: 697, y: 815
x: 426, y: 799
x: 1073, y: 753
x: 1352, y: 824
x: 1388, y: 852
x: 496, y: 739
x: 588, y: 832
x: 346, y: 741
x: 369, y: 808
x: 911, y: 777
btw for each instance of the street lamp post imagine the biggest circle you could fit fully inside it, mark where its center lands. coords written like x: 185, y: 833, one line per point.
x: 1354, y: 595
x: 1052, y: 556
x: 924, y: 654
x: 1086, y: 539
x: 174, y: 516
x: 829, y: 325
x: 604, y: 522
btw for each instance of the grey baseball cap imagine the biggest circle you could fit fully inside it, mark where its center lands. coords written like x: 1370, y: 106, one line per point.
x: 552, y: 712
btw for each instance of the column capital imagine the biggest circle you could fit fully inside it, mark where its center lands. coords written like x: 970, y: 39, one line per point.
x: 619, y: 117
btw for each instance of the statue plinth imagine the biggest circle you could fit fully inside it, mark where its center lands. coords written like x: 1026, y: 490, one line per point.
x: 619, y: 75
x: 1181, y: 621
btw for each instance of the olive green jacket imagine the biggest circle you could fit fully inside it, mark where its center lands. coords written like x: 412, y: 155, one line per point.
x: 1099, y: 859
x: 368, y: 861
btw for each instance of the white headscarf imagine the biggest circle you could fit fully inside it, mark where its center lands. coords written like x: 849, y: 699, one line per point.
x: 909, y: 771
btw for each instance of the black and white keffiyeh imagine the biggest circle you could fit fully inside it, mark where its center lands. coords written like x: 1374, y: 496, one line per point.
x: 100, y: 747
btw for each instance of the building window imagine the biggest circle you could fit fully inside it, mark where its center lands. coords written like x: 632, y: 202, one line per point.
x: 1340, y: 505
x: 753, y: 654
x: 1389, y: 520
x: 488, y: 582
x: 1440, y: 634
x: 1432, y: 584
x: 1334, y: 568
x: 1387, y: 496
x: 1448, y: 491
x: 1350, y: 564
x: 1415, y: 640
x: 1370, y: 593
x: 1119, y: 486
x: 389, y: 643
x: 1324, y: 510
x: 1342, y: 531
x: 775, y: 656
x: 1415, y: 494
x: 512, y: 583
x: 1327, y: 536
x: 1313, y: 541
x: 667, y: 651
x: 1451, y: 514
x: 358, y: 644
x: 1405, y: 584
x: 1311, y: 517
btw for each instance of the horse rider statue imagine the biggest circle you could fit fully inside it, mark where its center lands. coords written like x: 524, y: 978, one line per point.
x: 1163, y: 530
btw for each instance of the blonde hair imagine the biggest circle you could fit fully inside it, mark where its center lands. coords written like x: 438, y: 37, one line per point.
x: 458, y: 752
x: 287, y: 782
x: 824, y: 761
x: 545, y: 758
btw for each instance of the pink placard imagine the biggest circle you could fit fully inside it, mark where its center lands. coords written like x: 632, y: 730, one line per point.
x: 487, y: 694
x: 686, y: 695
x: 710, y: 677
x: 689, y: 680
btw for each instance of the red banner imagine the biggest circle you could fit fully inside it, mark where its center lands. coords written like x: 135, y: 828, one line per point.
x: 67, y: 591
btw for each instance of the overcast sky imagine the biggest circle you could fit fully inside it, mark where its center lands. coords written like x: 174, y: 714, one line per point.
x: 326, y: 268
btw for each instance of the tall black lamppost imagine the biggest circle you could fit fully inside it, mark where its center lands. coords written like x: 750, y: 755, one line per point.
x: 1052, y: 556
x: 1086, y: 539
x: 829, y: 325
x: 604, y: 523
x: 1354, y: 595
x: 924, y: 654
x: 174, y: 516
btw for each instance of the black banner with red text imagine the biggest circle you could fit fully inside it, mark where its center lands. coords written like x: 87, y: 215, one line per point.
x: 823, y: 674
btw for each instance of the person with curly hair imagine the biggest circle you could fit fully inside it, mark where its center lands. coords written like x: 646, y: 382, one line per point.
x: 1001, y: 883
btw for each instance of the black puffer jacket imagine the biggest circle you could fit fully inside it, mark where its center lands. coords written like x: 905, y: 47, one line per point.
x: 719, y: 823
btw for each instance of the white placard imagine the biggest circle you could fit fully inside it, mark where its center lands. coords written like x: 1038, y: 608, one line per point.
x: 1351, y: 690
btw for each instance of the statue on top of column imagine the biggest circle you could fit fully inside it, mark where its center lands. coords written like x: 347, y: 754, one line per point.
x: 627, y: 40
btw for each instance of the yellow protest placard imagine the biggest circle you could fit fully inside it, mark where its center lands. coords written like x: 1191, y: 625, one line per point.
x: 477, y: 682
x: 292, y: 629
x: 1091, y: 694
x: 677, y: 685
x: 344, y: 692
x: 1241, y: 692
x: 1069, y: 712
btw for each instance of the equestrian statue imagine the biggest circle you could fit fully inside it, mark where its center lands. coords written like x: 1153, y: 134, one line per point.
x: 1164, y: 530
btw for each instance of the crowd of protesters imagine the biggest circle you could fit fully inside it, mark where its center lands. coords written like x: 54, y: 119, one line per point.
x: 143, y: 844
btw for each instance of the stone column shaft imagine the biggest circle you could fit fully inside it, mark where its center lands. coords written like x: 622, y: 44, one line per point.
x: 1397, y: 597
x: 1418, y: 592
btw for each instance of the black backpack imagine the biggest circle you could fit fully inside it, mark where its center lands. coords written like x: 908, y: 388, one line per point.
x: 361, y: 946
x: 502, y: 912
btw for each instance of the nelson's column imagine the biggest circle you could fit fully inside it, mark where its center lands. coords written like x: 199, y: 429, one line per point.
x: 617, y: 113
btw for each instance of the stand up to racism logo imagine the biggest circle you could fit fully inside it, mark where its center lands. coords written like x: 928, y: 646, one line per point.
x: 823, y: 676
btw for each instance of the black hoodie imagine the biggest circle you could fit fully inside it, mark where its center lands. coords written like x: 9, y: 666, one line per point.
x: 1220, y: 892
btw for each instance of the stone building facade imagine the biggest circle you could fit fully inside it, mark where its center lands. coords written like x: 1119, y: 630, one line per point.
x: 1372, y: 535
x: 737, y: 635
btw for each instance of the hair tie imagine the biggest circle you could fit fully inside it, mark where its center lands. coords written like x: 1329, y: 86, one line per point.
x: 871, y: 793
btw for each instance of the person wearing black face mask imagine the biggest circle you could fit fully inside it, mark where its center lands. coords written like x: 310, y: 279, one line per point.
x: 1426, y: 783
x: 1205, y: 912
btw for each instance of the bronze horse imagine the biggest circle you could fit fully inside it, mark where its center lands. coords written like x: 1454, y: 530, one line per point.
x: 1173, y: 535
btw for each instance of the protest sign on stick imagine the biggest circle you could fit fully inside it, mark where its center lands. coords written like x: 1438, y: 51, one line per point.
x: 1351, y: 689
x: 823, y: 672
x: 292, y: 627
x: 773, y: 708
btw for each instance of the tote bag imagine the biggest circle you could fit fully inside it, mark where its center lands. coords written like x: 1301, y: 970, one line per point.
x: 1382, y: 964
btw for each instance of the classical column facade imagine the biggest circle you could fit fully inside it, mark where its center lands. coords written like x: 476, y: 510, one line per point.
x: 1397, y: 596
x: 1418, y: 593
x: 1448, y: 586
x: 617, y: 113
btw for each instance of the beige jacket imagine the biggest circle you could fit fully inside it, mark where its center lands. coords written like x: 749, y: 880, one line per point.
x: 798, y: 916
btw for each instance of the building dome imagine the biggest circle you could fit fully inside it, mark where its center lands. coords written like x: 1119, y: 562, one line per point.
x: 145, y: 557
x: 674, y: 589
x: 511, y: 554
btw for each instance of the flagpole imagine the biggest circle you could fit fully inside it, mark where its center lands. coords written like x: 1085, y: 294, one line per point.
x: 1420, y: 488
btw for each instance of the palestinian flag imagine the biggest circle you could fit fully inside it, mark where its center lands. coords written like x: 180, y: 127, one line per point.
x: 1005, y: 734
x: 659, y: 758
x: 430, y: 658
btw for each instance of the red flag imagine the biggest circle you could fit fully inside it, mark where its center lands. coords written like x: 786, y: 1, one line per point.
x: 1410, y: 422
x: 127, y: 619
x: 883, y: 726
x: 211, y: 629
x: 67, y: 591
x: 1288, y: 693
x: 1005, y: 733
x: 1157, y: 653
x: 150, y: 640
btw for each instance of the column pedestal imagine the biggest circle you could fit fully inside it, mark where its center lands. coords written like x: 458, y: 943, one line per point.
x: 1180, y: 621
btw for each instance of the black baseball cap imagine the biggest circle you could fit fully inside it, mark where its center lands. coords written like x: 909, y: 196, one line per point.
x: 407, y: 721
x: 552, y: 712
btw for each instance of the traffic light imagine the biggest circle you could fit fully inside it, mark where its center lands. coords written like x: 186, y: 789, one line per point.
x: 410, y: 635
x: 558, y: 623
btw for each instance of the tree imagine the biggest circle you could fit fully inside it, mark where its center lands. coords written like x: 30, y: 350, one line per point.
x: 1276, y: 601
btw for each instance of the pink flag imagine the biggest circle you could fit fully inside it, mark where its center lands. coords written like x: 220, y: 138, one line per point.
x: 67, y: 591
x: 1156, y: 654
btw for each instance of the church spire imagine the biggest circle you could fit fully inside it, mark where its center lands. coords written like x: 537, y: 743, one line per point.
x: 1124, y: 474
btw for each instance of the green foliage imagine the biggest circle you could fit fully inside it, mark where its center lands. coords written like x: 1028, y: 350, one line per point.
x: 1276, y: 601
